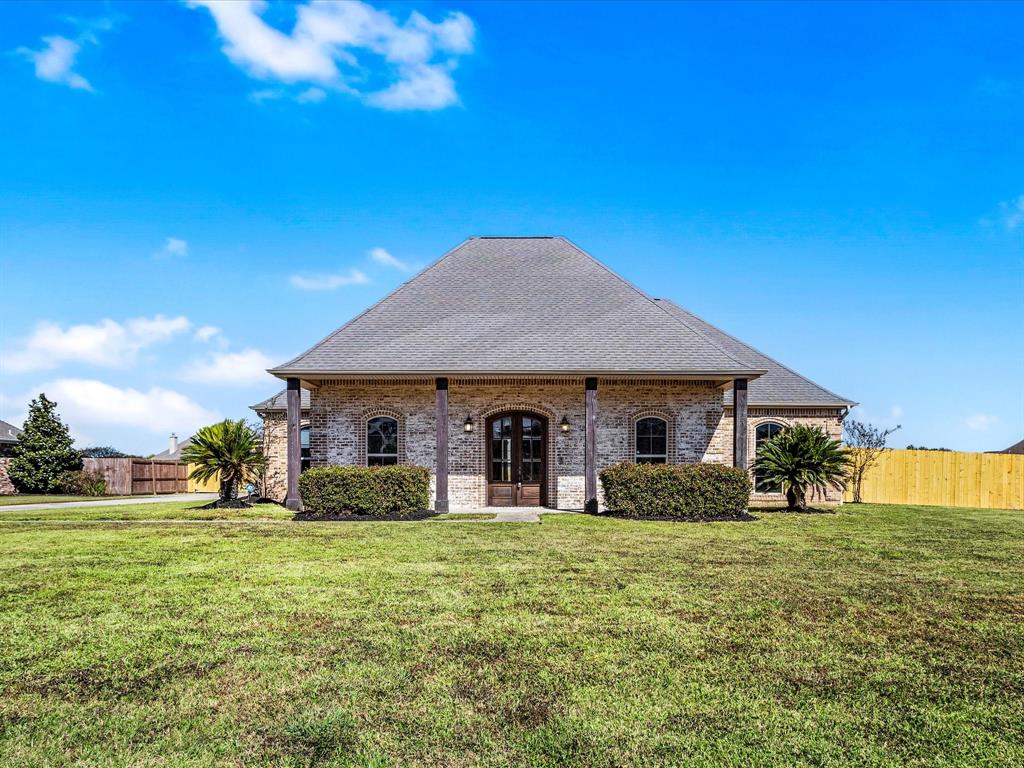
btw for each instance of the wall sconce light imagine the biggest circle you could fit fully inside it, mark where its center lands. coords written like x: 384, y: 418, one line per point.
x: 468, y: 424
x: 564, y: 424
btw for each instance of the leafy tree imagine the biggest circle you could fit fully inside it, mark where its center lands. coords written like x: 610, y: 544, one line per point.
x: 103, y: 452
x: 229, y: 451
x: 802, y: 458
x: 866, y: 443
x: 44, y: 450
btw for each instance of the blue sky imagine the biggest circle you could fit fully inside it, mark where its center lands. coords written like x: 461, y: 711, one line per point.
x: 188, y: 195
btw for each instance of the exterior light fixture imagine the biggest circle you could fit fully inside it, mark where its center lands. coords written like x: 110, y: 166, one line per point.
x: 468, y: 424
x: 564, y: 424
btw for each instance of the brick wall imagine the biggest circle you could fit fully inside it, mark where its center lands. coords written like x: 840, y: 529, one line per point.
x: 699, y: 428
x: 6, y: 486
x: 829, y: 419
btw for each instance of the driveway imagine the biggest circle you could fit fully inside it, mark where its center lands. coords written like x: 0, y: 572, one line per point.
x: 112, y: 502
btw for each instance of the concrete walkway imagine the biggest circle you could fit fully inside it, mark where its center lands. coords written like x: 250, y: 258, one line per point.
x: 504, y: 514
x: 197, y: 497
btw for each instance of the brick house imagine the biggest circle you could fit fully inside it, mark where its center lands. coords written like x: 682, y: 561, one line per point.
x: 515, y: 369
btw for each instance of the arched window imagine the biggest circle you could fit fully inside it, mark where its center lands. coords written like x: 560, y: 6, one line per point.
x: 381, y: 441
x: 651, y: 441
x: 304, y: 445
x: 762, y: 435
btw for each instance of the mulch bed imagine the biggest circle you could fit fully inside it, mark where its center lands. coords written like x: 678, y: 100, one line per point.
x: 346, y: 517
x: 233, y: 504
x: 741, y: 517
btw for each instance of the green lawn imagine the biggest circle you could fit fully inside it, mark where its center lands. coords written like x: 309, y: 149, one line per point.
x: 874, y: 636
x: 50, y: 498
x: 171, y: 510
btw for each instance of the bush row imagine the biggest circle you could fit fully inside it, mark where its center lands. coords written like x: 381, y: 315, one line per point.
x: 395, y: 490
x: 682, y: 491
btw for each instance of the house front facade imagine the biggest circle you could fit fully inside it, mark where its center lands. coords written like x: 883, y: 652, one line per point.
x: 515, y: 369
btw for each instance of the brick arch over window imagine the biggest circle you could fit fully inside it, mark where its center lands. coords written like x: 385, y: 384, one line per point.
x: 540, y: 410
x: 364, y: 419
x: 672, y: 449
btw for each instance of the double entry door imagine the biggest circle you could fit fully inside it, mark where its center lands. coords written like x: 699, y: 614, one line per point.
x: 516, y: 460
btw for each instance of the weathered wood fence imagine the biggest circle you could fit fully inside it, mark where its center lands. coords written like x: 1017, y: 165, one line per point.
x: 945, y: 478
x: 130, y: 477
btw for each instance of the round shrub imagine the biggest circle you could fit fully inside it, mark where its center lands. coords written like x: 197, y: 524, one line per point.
x: 685, y: 491
x: 378, y: 491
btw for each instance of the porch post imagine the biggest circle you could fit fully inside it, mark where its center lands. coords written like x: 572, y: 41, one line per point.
x: 441, y: 483
x: 739, y: 423
x: 590, y: 447
x: 294, y: 400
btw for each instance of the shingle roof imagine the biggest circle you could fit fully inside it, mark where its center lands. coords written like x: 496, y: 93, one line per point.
x: 515, y: 305
x: 779, y: 386
x: 168, y: 455
x: 8, y: 433
x: 279, y: 402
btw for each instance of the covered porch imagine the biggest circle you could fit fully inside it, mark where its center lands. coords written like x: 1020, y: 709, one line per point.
x: 522, y: 441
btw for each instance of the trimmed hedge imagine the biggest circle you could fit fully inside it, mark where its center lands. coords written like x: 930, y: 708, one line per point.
x: 395, y: 490
x: 681, y: 491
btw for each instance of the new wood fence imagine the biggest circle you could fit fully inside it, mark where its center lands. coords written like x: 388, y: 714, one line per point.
x: 130, y: 477
x: 945, y: 478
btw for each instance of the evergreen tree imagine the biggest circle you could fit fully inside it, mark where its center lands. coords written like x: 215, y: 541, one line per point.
x: 44, y: 450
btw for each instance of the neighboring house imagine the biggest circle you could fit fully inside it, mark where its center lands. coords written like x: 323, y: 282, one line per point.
x: 174, y: 449
x: 8, y: 439
x: 1015, y: 449
x: 516, y: 368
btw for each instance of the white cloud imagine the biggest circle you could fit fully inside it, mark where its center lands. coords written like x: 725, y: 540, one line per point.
x: 311, y: 96
x: 91, y: 402
x: 329, y: 282
x: 1012, y: 213
x: 979, y: 422
x: 381, y: 256
x: 174, y: 246
x: 233, y: 369
x: 206, y: 333
x: 107, y: 343
x: 55, y: 62
x: 348, y: 46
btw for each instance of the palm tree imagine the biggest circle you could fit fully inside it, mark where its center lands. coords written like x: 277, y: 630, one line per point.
x: 229, y: 451
x: 802, y: 458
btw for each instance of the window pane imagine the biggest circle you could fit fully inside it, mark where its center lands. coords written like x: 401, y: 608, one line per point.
x: 651, y: 441
x: 762, y: 435
x: 381, y: 441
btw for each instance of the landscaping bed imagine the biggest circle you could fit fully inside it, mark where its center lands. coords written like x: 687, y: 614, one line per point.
x: 348, y: 517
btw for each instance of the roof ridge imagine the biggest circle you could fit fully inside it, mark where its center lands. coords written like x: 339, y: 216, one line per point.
x: 654, y: 302
x: 755, y: 350
x: 372, y: 307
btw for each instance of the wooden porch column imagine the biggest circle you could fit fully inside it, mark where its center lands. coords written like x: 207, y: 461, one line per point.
x: 590, y: 448
x: 739, y: 423
x: 294, y: 403
x: 441, y: 483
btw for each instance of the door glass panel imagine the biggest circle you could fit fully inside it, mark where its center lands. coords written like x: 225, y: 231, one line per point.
x: 532, y: 450
x: 501, y: 450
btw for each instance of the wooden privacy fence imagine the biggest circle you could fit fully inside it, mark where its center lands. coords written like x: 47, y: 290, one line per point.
x: 131, y: 477
x: 945, y: 478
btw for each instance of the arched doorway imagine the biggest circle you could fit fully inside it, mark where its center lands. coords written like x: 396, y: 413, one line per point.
x: 517, y: 461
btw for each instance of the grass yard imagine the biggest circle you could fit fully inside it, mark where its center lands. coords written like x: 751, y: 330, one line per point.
x: 875, y: 636
x: 171, y: 510
x: 50, y: 498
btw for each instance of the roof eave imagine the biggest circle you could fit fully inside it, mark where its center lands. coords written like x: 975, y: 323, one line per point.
x: 750, y: 374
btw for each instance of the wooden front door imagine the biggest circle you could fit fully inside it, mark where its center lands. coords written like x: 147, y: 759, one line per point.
x: 516, y: 460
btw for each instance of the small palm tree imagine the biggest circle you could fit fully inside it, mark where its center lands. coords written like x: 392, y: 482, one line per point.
x: 229, y: 451
x: 801, y: 458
